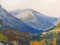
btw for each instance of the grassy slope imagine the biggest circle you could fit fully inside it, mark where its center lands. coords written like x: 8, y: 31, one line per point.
x: 49, y: 37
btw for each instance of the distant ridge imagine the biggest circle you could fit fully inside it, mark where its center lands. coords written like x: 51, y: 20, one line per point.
x: 37, y: 20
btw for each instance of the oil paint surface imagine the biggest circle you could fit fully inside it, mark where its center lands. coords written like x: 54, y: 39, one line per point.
x: 25, y: 22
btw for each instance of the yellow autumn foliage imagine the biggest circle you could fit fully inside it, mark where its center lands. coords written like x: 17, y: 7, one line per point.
x: 3, y: 37
x: 54, y: 41
x: 42, y: 42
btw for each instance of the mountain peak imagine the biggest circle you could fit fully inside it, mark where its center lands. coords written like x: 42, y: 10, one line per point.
x: 29, y: 9
x: 27, y: 13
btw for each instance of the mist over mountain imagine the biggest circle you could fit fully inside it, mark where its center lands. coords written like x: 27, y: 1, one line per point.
x: 15, y: 12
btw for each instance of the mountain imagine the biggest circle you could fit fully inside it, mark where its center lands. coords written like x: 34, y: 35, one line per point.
x: 37, y: 20
x: 59, y: 19
x: 15, y: 12
x: 10, y: 22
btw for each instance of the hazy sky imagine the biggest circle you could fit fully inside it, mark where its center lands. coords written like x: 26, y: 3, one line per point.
x: 47, y: 7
